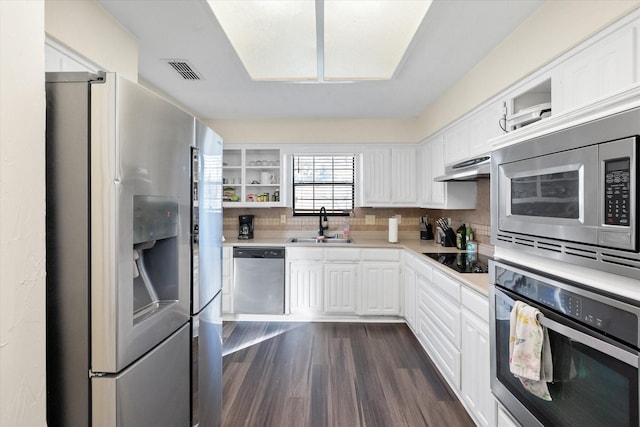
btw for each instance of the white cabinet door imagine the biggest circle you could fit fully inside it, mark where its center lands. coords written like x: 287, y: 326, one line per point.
x: 476, y: 376
x: 483, y: 126
x: 442, y: 195
x: 404, y: 176
x: 227, y: 279
x: 340, y: 287
x: 475, y: 384
x: 504, y: 419
x: 437, y: 169
x: 409, y: 293
x: 389, y: 177
x: 456, y: 142
x: 376, y: 177
x: 305, y: 287
x: 597, y: 71
x: 426, y: 173
x: 380, y: 288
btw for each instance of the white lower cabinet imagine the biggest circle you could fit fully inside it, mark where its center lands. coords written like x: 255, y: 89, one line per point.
x: 380, y: 289
x: 343, y: 281
x: 475, y: 384
x: 340, y: 288
x: 227, y: 279
x: 408, y: 277
x: 439, y: 323
x: 305, y: 287
x: 504, y: 419
x: 380, y: 282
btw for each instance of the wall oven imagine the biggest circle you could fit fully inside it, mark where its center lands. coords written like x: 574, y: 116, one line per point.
x: 572, y: 195
x: 594, y: 345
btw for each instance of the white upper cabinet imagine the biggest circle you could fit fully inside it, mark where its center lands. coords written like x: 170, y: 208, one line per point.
x: 389, y: 177
x: 456, y: 142
x: 433, y: 159
x: 376, y: 177
x: 442, y: 195
x: 404, y: 184
x: 252, y: 177
x: 597, y: 71
x: 483, y: 126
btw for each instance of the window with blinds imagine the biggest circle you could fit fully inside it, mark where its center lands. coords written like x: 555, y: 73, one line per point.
x: 323, y: 181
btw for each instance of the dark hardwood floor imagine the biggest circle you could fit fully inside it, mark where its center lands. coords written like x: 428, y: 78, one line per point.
x: 332, y: 374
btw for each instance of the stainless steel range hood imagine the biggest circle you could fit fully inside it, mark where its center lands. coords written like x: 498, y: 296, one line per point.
x: 467, y: 170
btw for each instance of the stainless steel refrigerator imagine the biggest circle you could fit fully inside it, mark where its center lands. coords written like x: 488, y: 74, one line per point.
x: 206, y: 299
x: 118, y: 254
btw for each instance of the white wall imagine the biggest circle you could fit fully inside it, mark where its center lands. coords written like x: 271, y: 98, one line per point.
x: 316, y: 131
x: 84, y: 26
x: 87, y: 28
x: 553, y: 29
x: 22, y: 207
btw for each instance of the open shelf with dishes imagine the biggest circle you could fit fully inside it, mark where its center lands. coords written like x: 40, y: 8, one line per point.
x: 251, y: 177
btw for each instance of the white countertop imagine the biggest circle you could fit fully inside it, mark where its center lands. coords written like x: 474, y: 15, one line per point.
x: 476, y: 281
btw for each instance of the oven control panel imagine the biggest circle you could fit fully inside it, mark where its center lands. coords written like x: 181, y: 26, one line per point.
x: 617, y: 191
x: 594, y: 310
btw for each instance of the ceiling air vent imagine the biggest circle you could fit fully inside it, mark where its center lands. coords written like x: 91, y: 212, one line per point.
x: 184, y: 69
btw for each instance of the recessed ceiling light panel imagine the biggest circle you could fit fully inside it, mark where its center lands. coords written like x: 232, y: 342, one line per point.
x: 287, y: 40
x: 275, y: 40
x: 367, y: 39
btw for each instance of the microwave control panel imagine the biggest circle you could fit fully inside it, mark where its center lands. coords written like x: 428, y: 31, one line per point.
x: 617, y: 191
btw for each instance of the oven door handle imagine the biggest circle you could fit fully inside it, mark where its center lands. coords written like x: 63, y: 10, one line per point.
x: 602, y: 346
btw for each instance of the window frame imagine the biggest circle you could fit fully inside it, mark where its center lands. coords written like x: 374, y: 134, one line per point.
x: 330, y: 212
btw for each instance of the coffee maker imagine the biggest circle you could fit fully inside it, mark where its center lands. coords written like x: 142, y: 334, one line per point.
x: 246, y: 227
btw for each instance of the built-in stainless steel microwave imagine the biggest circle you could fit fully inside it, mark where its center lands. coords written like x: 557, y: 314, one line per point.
x: 572, y: 195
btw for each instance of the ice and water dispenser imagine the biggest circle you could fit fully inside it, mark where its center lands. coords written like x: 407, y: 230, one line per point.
x: 155, y: 254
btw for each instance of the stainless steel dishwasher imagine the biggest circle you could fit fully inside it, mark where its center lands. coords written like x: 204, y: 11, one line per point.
x: 258, y: 284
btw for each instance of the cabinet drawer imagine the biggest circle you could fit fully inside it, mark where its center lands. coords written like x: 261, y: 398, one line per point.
x: 305, y: 254
x: 380, y: 255
x: 443, y: 353
x: 476, y: 303
x: 443, y: 313
x: 424, y: 269
x: 342, y: 254
x: 447, y: 285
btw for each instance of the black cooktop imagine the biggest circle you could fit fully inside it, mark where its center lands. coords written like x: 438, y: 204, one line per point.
x: 462, y: 262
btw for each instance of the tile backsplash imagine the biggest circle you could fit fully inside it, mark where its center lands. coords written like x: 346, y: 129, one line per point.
x: 270, y: 219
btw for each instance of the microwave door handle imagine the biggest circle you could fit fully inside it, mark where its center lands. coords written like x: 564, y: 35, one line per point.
x: 602, y: 346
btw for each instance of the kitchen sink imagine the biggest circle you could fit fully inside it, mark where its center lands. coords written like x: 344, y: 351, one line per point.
x: 316, y: 240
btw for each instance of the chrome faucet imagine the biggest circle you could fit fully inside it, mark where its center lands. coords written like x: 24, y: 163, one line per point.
x: 324, y: 226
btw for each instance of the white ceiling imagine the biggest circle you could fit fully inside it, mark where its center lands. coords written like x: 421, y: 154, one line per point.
x: 453, y: 37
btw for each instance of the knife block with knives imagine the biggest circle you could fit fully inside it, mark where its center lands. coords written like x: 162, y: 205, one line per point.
x: 449, y: 237
x: 426, y: 229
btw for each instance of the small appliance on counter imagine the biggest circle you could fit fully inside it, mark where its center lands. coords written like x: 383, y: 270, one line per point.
x: 246, y: 227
